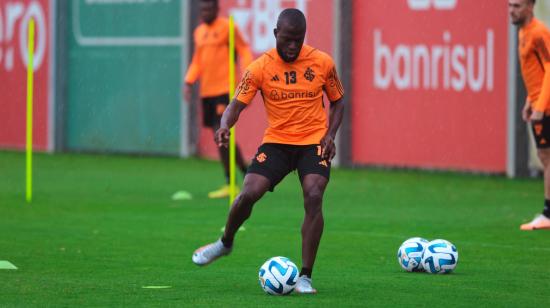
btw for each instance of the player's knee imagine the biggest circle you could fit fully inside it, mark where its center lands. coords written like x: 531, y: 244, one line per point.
x: 313, y: 198
x: 544, y: 156
x: 247, y: 198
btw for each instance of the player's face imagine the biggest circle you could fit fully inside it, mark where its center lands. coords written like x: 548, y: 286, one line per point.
x: 208, y: 11
x: 519, y: 11
x: 289, y: 42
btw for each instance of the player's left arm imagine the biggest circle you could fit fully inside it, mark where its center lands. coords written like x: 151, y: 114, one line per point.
x: 335, y: 93
x: 336, y: 114
x: 243, y: 50
x: 542, y: 48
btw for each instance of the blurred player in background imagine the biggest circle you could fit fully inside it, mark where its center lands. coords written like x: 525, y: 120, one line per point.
x: 210, y: 64
x: 534, y: 56
x: 292, y: 78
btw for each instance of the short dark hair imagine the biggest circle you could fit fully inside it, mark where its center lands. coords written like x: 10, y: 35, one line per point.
x: 294, y: 16
x: 533, y: 2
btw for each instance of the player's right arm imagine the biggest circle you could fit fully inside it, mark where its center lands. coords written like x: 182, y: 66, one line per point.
x: 191, y: 77
x: 249, y: 85
x: 193, y: 72
x: 229, y: 118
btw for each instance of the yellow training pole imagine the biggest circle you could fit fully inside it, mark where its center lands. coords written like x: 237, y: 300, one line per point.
x: 30, y: 72
x: 232, y: 184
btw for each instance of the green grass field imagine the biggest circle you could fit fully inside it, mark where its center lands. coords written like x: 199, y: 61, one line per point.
x: 102, y: 227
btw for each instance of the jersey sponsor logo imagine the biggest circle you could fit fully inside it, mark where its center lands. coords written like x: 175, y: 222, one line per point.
x: 275, y: 78
x: 424, y: 5
x: 276, y: 95
x: 261, y: 157
x: 309, y: 74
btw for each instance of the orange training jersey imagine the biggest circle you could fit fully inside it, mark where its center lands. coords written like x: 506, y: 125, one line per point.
x: 534, y: 47
x: 211, y: 57
x: 293, y: 94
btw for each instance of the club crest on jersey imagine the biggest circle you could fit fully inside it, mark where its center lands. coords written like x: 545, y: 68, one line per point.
x: 220, y: 108
x: 538, y: 129
x: 309, y: 74
x: 261, y: 157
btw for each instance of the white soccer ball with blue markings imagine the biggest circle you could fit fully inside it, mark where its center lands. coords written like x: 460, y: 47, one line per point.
x: 278, y: 276
x: 410, y: 253
x: 440, y: 257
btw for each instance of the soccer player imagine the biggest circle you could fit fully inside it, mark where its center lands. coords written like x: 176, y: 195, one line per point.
x: 534, y: 55
x: 292, y: 78
x: 210, y: 63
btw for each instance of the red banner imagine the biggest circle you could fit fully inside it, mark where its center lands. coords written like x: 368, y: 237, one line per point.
x: 256, y: 19
x: 429, y: 84
x: 14, y: 19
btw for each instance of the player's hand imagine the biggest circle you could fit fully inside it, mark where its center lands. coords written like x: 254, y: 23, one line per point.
x: 526, y: 111
x: 536, y: 116
x: 222, y: 137
x: 328, y: 148
x: 187, y: 92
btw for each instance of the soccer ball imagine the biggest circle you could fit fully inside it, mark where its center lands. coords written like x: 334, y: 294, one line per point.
x: 278, y: 276
x: 410, y: 253
x: 440, y: 257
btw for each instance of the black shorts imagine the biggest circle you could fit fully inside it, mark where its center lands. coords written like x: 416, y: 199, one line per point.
x: 275, y: 161
x: 213, y: 108
x: 541, y: 132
